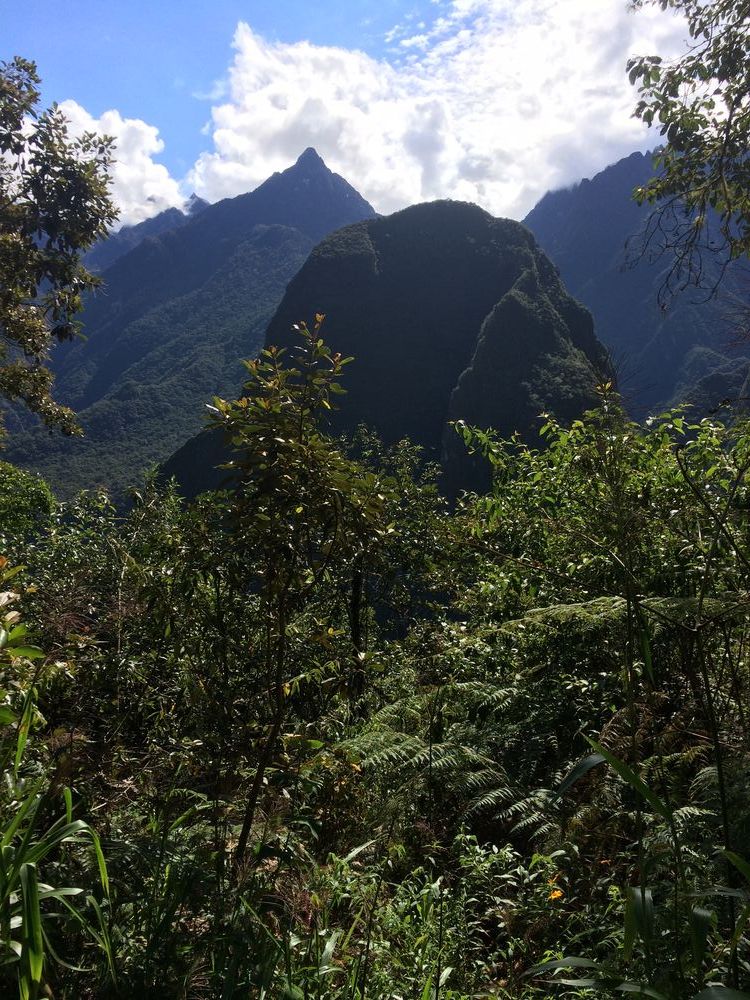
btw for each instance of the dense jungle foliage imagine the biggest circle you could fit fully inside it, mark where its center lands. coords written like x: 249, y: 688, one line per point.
x: 151, y: 388
x: 319, y: 736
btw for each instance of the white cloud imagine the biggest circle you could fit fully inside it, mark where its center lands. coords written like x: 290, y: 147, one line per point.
x: 496, y: 101
x: 140, y: 186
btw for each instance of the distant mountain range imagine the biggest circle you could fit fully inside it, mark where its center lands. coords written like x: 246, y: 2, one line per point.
x: 450, y: 314
x: 683, y: 353
x: 177, y: 313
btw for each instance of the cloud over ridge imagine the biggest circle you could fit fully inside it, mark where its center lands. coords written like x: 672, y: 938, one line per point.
x: 496, y: 101
x: 140, y: 186
x: 490, y: 101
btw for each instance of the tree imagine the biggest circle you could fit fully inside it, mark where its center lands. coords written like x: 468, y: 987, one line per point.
x: 54, y: 203
x: 701, y: 103
x: 302, y: 516
x: 26, y: 506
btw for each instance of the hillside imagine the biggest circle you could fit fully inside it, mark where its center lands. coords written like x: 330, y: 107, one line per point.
x: 177, y: 313
x: 661, y: 356
x: 443, y: 692
x: 450, y: 314
x: 104, y: 253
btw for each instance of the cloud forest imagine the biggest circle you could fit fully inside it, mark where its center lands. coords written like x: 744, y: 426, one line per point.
x: 374, y: 568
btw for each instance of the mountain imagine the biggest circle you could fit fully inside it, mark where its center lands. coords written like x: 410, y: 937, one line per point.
x: 661, y: 356
x: 450, y: 314
x: 103, y: 254
x: 177, y: 313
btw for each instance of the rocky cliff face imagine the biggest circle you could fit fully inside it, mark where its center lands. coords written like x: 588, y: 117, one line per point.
x: 449, y: 314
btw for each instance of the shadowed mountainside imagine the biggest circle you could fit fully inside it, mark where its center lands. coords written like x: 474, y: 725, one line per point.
x: 103, y: 254
x: 661, y: 356
x: 450, y: 314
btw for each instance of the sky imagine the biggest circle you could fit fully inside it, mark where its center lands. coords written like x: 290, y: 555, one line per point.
x: 490, y: 101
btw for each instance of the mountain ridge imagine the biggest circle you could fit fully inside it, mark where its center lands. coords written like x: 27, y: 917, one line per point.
x: 146, y: 355
x: 590, y: 230
x: 104, y: 253
x: 409, y: 296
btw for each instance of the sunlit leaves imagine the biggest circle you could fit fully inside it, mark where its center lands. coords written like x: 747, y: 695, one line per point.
x: 54, y: 203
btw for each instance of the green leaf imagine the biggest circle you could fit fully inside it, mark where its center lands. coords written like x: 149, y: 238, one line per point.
x: 444, y: 975
x: 574, y: 962
x: 640, y: 991
x: 577, y: 772
x: 701, y: 922
x: 630, y: 928
x: 7, y: 717
x: 32, y: 949
x: 26, y: 652
x: 100, y: 861
x: 643, y: 904
x: 327, y: 957
x: 23, y: 731
x: 292, y: 992
x: 636, y: 783
x: 427, y: 989
x: 358, y: 850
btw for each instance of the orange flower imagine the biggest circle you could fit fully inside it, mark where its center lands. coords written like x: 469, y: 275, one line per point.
x: 556, y: 894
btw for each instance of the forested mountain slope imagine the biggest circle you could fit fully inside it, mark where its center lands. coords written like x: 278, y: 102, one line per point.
x: 103, y: 254
x: 684, y: 352
x: 451, y: 314
x: 176, y: 315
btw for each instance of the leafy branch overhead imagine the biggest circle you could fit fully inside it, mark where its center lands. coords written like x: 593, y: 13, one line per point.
x: 54, y: 204
x: 701, y: 105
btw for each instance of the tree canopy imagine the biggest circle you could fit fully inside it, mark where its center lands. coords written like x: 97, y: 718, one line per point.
x: 54, y: 204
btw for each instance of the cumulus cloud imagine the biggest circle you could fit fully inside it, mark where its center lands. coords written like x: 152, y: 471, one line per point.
x: 140, y: 186
x: 494, y: 101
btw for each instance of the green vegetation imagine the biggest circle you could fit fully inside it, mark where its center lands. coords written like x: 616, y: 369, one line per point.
x: 451, y: 314
x: 26, y: 507
x: 321, y: 735
x: 176, y: 313
x: 54, y: 204
x: 337, y: 741
x: 152, y: 390
x: 700, y: 102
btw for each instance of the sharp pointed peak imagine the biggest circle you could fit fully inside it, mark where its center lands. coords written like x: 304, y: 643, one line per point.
x: 194, y: 204
x: 310, y: 157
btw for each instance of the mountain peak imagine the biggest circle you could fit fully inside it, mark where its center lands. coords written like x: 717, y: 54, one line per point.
x: 309, y: 158
x: 195, y: 204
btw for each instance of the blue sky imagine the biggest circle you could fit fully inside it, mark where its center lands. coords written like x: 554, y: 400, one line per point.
x: 148, y: 58
x: 493, y: 101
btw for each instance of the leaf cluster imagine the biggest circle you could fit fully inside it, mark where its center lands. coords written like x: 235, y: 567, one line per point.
x: 54, y: 204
